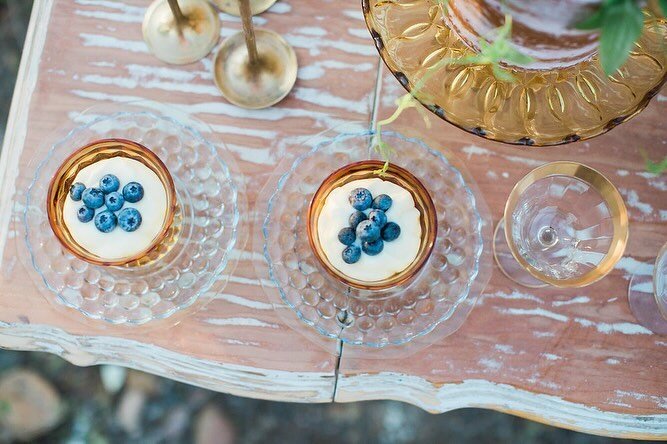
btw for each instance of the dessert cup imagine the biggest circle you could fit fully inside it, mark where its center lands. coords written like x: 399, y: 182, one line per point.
x: 98, y: 150
x: 438, y: 293
x: 397, y: 175
x: 186, y: 262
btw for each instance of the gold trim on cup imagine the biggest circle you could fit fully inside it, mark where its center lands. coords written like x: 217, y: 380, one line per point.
x: 397, y: 175
x: 612, y: 198
x: 92, y: 153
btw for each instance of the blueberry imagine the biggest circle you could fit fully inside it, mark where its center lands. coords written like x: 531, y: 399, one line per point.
x: 357, y: 217
x: 391, y: 231
x: 76, y: 190
x: 367, y: 231
x: 114, y: 201
x: 351, y: 254
x: 373, y: 248
x: 361, y: 199
x: 133, y: 192
x: 85, y: 214
x: 377, y: 217
x: 105, y: 221
x: 109, y: 183
x: 382, y: 202
x: 346, y: 236
x: 92, y: 198
x: 129, y: 219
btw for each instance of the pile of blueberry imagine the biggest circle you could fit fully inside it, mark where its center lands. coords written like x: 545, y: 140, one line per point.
x: 107, y: 194
x: 368, y: 224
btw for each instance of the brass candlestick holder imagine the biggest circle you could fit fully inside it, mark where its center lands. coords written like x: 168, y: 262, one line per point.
x: 232, y: 6
x: 181, y: 31
x: 254, y: 69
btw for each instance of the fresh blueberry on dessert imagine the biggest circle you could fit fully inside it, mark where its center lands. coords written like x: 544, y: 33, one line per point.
x: 391, y: 231
x: 361, y: 199
x: 373, y: 248
x: 105, y: 221
x: 85, y: 214
x: 76, y: 190
x: 377, y: 217
x: 109, y: 183
x: 129, y: 219
x: 367, y: 231
x: 351, y: 254
x: 382, y: 202
x: 93, y: 198
x: 114, y: 201
x: 133, y: 192
x: 347, y: 236
x: 356, y: 218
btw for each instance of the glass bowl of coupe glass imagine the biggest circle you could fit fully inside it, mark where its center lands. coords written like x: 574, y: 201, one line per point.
x: 152, y: 239
x: 565, y: 225
x: 647, y: 295
x: 391, y: 294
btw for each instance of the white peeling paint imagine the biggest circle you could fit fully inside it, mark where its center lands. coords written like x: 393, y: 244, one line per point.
x: 238, y: 300
x: 626, y: 328
x: 534, y: 312
x: 633, y: 266
x: 551, y: 356
x: 241, y: 322
x: 105, y: 41
x: 632, y: 200
x: 575, y: 300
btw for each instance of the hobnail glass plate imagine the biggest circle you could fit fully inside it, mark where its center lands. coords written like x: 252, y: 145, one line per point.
x: 397, y: 315
x: 208, y: 204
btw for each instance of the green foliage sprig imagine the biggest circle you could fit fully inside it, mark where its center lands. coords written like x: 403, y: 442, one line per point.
x: 620, y: 23
x: 491, y: 54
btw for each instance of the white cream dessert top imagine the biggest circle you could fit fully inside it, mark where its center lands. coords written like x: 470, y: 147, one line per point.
x: 396, y: 256
x: 119, y: 244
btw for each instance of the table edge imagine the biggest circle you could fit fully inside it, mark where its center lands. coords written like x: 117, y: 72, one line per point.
x: 505, y: 398
x: 239, y: 380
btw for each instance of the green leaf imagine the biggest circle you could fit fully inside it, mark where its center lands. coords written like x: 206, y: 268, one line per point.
x: 663, y: 6
x: 592, y: 22
x: 622, y: 25
x: 656, y: 167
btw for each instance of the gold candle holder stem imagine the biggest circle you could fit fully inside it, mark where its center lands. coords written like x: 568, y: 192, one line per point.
x: 249, y: 34
x: 178, y: 16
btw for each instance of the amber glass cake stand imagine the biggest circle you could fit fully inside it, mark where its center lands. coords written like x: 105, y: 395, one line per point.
x: 558, y: 101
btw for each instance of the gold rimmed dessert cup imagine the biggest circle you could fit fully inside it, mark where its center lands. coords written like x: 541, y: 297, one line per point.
x: 94, y: 152
x: 565, y: 225
x: 367, y: 169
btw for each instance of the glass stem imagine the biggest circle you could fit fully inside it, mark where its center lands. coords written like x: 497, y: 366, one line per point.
x: 178, y: 16
x: 249, y: 33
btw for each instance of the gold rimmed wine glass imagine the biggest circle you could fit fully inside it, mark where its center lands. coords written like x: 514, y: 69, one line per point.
x: 232, y: 6
x: 255, y: 68
x: 181, y: 31
x: 565, y: 224
x: 647, y: 295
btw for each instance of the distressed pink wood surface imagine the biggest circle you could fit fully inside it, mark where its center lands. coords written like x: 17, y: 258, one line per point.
x: 579, y: 346
x: 94, y: 52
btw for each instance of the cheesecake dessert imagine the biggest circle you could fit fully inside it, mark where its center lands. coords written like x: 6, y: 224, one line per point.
x: 111, y: 202
x: 371, y: 231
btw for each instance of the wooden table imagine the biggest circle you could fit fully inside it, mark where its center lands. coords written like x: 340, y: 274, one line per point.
x: 572, y: 358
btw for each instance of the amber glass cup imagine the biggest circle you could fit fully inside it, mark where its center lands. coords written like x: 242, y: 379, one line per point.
x: 92, y: 153
x: 367, y: 170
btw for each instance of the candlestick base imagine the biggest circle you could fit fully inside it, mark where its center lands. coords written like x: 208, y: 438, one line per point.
x: 200, y: 32
x: 255, y: 87
x: 232, y: 6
